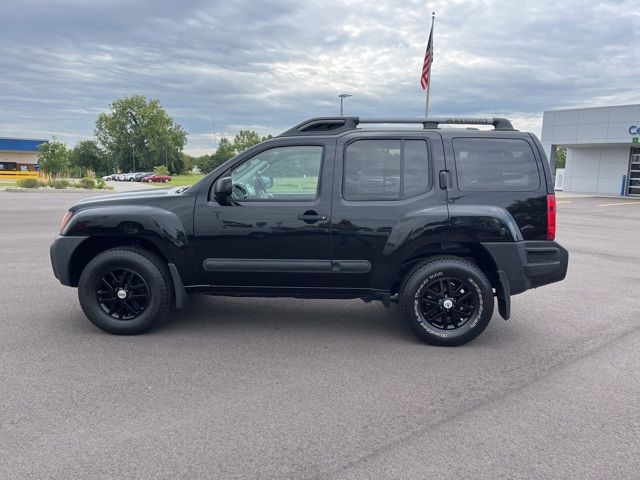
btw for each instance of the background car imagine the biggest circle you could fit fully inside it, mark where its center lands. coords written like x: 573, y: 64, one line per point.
x: 140, y: 175
x: 106, y: 178
x: 157, y: 178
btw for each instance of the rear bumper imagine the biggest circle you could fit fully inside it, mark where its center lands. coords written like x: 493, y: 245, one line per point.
x: 529, y: 264
x: 61, y: 251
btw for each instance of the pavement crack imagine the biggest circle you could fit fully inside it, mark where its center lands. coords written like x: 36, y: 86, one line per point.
x: 548, y: 371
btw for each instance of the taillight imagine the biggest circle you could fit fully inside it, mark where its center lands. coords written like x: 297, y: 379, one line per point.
x: 551, y: 217
x: 65, y: 221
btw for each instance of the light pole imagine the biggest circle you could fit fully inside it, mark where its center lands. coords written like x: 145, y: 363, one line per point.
x: 213, y: 126
x: 133, y: 131
x: 342, y: 96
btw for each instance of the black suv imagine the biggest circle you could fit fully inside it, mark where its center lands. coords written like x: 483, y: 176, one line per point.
x: 439, y: 220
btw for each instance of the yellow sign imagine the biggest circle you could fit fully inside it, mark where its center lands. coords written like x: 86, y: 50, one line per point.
x: 13, y: 175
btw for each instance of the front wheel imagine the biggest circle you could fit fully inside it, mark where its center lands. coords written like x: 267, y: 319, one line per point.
x: 125, y: 290
x: 447, y: 301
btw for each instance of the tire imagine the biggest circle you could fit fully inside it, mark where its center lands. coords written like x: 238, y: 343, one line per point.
x: 431, y: 287
x: 135, y: 271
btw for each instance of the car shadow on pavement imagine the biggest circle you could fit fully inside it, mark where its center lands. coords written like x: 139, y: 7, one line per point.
x: 260, y: 317
x: 204, y: 313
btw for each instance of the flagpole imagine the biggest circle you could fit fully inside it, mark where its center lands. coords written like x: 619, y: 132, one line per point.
x: 426, y: 105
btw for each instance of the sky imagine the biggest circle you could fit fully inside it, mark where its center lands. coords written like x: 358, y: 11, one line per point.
x: 267, y: 65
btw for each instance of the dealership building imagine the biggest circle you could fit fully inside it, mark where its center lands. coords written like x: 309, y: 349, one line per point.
x: 603, y: 153
x: 19, y: 154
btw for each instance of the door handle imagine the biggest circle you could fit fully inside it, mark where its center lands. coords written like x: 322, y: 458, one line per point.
x: 444, y: 179
x: 311, y: 217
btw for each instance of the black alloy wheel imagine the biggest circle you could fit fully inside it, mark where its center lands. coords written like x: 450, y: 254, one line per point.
x: 122, y: 293
x: 448, y: 303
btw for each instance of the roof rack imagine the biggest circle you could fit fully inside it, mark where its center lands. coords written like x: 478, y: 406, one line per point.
x: 323, y: 125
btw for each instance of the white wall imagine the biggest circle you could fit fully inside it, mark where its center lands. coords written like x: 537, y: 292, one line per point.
x: 589, y: 125
x: 19, y: 157
x: 596, y: 170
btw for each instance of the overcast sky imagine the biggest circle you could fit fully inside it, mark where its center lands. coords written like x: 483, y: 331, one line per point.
x: 268, y: 64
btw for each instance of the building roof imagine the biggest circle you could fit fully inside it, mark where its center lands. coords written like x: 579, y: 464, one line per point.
x: 625, y: 106
x: 20, y: 144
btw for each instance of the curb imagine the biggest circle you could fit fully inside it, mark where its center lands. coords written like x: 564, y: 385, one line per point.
x: 54, y: 190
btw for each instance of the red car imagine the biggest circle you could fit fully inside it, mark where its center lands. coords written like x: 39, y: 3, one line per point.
x: 157, y: 178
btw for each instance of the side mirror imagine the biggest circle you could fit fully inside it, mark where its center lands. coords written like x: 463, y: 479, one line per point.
x: 223, y: 188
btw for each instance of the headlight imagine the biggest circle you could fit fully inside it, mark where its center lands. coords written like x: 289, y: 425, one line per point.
x: 65, y: 221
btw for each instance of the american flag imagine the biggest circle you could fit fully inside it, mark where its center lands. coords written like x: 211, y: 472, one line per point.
x: 426, y: 66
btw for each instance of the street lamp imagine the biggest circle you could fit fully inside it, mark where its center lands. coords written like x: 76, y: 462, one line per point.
x: 213, y: 126
x: 342, y: 96
x: 133, y: 148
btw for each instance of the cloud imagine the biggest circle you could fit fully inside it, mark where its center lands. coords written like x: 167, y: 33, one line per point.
x: 269, y: 64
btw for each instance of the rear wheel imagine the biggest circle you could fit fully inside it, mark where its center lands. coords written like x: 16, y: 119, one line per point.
x: 125, y: 290
x: 448, y: 301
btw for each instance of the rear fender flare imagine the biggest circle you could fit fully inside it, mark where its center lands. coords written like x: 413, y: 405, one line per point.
x: 477, y: 223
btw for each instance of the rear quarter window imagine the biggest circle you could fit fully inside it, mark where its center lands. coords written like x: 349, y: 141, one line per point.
x: 495, y: 164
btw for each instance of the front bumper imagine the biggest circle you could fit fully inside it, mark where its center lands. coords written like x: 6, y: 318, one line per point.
x: 61, y: 251
x: 529, y: 264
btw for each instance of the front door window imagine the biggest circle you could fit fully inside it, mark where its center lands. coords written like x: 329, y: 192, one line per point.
x: 279, y: 174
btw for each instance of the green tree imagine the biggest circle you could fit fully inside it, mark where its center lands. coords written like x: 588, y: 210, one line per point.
x: 561, y: 157
x: 224, y: 152
x: 187, y: 162
x: 87, y: 155
x: 227, y: 149
x: 138, y: 131
x: 53, y: 157
x: 245, y: 139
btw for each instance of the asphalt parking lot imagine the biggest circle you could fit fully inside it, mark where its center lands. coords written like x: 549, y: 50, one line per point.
x: 260, y: 388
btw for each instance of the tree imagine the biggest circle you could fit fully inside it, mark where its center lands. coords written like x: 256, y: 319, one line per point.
x: 139, y: 134
x: 187, y: 162
x: 224, y: 152
x: 227, y: 149
x: 87, y: 155
x: 245, y: 139
x: 53, y: 157
x: 561, y: 157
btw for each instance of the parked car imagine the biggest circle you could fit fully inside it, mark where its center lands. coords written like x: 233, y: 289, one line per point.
x: 440, y: 220
x: 140, y: 175
x: 128, y: 177
x: 157, y: 178
x: 106, y: 178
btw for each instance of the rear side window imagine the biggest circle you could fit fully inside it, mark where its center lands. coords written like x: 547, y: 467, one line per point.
x: 495, y: 164
x: 385, y: 169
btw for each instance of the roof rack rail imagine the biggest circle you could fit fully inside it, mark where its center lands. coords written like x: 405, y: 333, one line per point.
x: 434, y: 122
x: 323, y: 125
